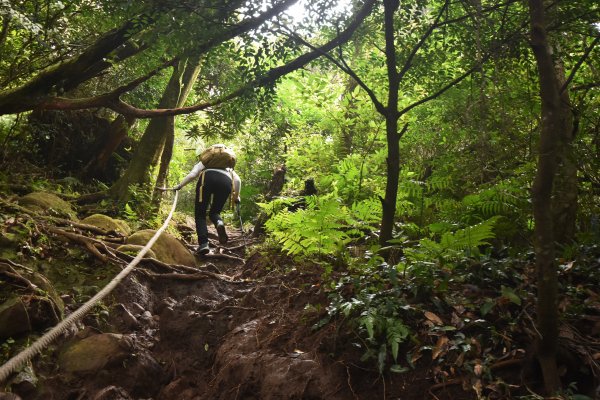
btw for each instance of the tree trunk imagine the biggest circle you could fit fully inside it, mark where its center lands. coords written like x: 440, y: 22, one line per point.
x: 391, y: 126
x: 391, y: 186
x: 554, y: 124
x: 151, y: 145
x: 275, y: 188
x: 190, y: 75
x: 565, y: 194
x: 119, y: 129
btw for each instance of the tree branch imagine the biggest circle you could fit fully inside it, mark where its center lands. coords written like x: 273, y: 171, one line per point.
x: 72, y: 72
x: 345, y: 68
x: 271, y: 76
x: 442, y: 90
x: 103, y: 100
x: 579, y: 63
x: 34, y: 92
x: 421, y: 42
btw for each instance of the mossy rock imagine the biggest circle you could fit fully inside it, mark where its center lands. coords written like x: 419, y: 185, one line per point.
x: 95, y: 353
x: 134, y: 249
x: 107, y: 223
x: 43, y: 202
x: 40, y: 307
x: 14, y: 319
x: 167, y: 248
x: 47, y: 289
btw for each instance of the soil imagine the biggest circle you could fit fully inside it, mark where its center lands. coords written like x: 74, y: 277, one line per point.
x: 238, y: 331
x: 238, y: 327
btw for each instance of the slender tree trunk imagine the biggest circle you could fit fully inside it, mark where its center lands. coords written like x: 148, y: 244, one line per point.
x: 347, y: 142
x: 119, y: 129
x: 391, y: 126
x: 190, y: 75
x: 151, y: 145
x: 554, y: 124
x: 565, y: 195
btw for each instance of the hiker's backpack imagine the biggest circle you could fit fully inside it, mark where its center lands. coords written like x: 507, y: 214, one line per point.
x: 218, y: 156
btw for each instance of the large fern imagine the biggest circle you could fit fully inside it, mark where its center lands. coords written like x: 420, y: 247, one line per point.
x: 454, y: 244
x: 470, y: 237
x: 324, y: 227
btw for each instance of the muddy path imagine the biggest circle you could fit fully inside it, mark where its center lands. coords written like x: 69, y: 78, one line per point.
x: 231, y: 330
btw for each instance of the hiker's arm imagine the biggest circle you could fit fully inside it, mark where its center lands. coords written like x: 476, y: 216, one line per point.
x: 237, y: 186
x: 194, y: 173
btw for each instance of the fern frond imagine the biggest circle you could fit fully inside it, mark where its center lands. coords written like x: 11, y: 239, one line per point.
x: 470, y: 237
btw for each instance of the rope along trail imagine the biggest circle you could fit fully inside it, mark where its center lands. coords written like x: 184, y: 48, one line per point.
x: 26, y: 355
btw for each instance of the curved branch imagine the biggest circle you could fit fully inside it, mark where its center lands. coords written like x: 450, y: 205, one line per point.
x: 103, y: 100
x: 34, y: 92
x: 344, y: 67
x: 270, y: 77
x: 76, y: 70
x: 421, y: 42
x: 579, y: 63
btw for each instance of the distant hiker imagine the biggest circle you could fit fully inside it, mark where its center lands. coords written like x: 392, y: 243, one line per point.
x: 309, y: 190
x: 217, y: 181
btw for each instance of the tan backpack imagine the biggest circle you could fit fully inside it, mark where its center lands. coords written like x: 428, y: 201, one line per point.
x: 218, y: 156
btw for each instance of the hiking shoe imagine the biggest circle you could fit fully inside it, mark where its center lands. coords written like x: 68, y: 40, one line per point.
x: 203, y: 249
x: 223, y: 238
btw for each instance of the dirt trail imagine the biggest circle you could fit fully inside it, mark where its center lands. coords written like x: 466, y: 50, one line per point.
x: 230, y: 331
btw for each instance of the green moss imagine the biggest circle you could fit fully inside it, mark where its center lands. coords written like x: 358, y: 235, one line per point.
x: 107, y: 223
x: 43, y: 202
x: 167, y: 248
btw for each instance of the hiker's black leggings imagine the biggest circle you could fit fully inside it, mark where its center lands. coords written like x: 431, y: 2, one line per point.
x: 215, y: 191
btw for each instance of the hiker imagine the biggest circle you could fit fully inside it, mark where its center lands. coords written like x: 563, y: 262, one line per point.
x: 217, y: 181
x: 309, y: 190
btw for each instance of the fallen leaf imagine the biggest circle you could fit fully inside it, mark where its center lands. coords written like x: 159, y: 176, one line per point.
x: 433, y: 318
x: 477, y: 387
x: 416, y: 356
x: 440, y: 347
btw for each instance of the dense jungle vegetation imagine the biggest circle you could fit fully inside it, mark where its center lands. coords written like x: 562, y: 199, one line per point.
x: 454, y: 146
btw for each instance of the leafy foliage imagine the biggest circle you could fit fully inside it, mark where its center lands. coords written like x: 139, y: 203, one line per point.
x: 323, y: 228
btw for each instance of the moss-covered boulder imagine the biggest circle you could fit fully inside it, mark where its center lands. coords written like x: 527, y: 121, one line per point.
x: 47, y: 203
x: 134, y: 249
x: 167, y: 248
x: 94, y: 353
x: 13, y: 318
x: 107, y: 223
x: 38, y: 309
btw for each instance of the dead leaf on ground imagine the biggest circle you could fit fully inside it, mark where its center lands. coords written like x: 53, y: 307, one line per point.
x: 441, y: 347
x: 433, y: 318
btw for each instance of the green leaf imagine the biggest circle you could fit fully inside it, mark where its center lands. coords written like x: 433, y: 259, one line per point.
x: 511, y: 295
x: 487, y: 306
x: 368, y: 322
x: 398, y: 369
x: 381, y: 358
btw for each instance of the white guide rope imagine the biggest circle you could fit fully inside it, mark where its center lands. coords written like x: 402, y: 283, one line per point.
x: 26, y: 355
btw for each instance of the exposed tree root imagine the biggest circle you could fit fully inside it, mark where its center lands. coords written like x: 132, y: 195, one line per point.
x: 229, y: 308
x: 7, y: 270
x: 224, y: 256
x: 87, y: 242
x: 195, y: 276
